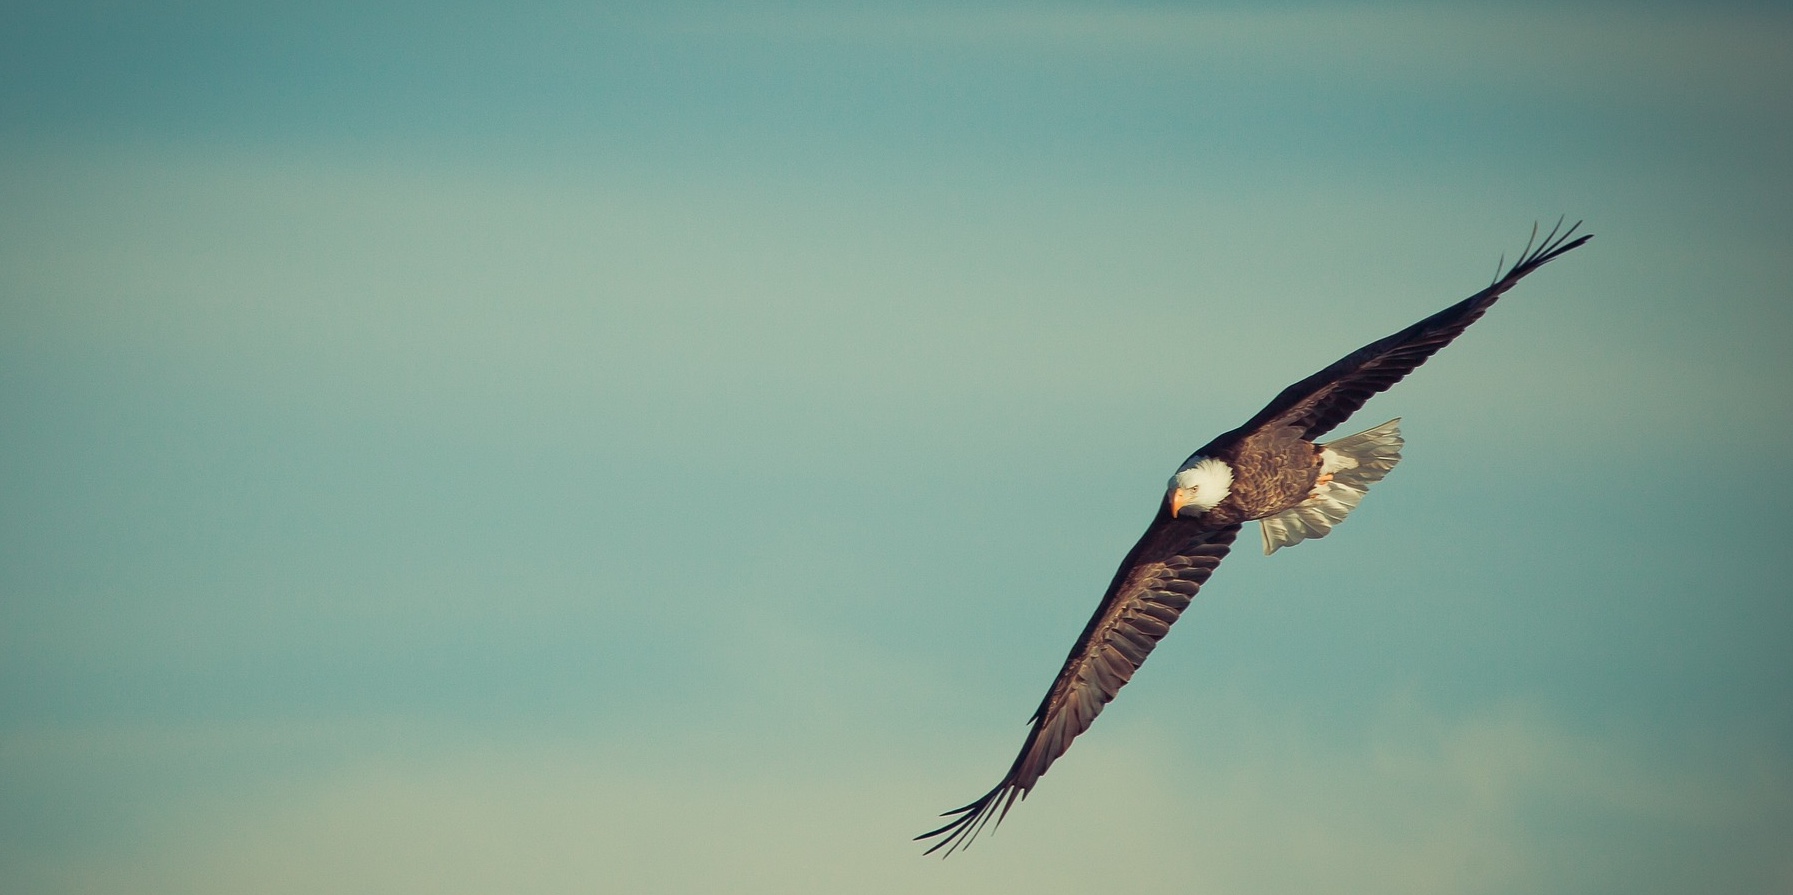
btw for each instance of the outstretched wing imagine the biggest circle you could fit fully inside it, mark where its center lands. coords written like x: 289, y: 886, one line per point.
x: 1321, y: 401
x: 1154, y: 584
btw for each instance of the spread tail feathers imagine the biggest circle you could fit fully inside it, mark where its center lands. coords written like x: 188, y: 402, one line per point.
x: 1356, y: 462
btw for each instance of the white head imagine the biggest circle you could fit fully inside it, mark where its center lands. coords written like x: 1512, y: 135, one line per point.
x: 1199, y: 486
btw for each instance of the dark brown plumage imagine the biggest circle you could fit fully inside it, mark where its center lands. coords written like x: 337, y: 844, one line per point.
x: 1275, y: 465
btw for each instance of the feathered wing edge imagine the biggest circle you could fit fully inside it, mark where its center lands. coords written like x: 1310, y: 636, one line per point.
x: 1152, y: 587
x: 1327, y: 398
x: 968, y: 821
x: 1555, y: 243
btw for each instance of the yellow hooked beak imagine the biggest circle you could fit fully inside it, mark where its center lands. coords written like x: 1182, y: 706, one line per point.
x: 1176, y: 501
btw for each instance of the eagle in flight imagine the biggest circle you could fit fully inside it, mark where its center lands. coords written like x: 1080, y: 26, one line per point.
x: 1272, y: 470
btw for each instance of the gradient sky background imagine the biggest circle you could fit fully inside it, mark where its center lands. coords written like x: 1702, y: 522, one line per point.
x: 541, y: 448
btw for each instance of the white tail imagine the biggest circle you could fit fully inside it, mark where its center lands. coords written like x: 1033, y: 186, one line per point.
x: 1356, y: 462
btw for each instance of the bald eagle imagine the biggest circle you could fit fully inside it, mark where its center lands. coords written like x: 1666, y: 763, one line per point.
x: 1271, y: 470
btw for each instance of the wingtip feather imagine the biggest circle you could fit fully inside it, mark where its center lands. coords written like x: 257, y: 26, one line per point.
x: 970, y: 820
x: 1538, y: 252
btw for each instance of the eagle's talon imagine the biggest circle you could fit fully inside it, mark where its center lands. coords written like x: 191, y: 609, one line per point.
x: 1319, y: 486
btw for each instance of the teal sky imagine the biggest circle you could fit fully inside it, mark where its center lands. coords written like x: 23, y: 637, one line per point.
x: 559, y: 448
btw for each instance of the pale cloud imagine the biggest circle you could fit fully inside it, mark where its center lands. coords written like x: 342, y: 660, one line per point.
x: 1415, y: 801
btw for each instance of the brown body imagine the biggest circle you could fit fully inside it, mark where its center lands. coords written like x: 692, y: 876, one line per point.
x: 1275, y: 466
x: 1273, y: 470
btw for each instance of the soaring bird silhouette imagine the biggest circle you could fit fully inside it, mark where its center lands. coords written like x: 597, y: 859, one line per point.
x: 1270, y: 470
